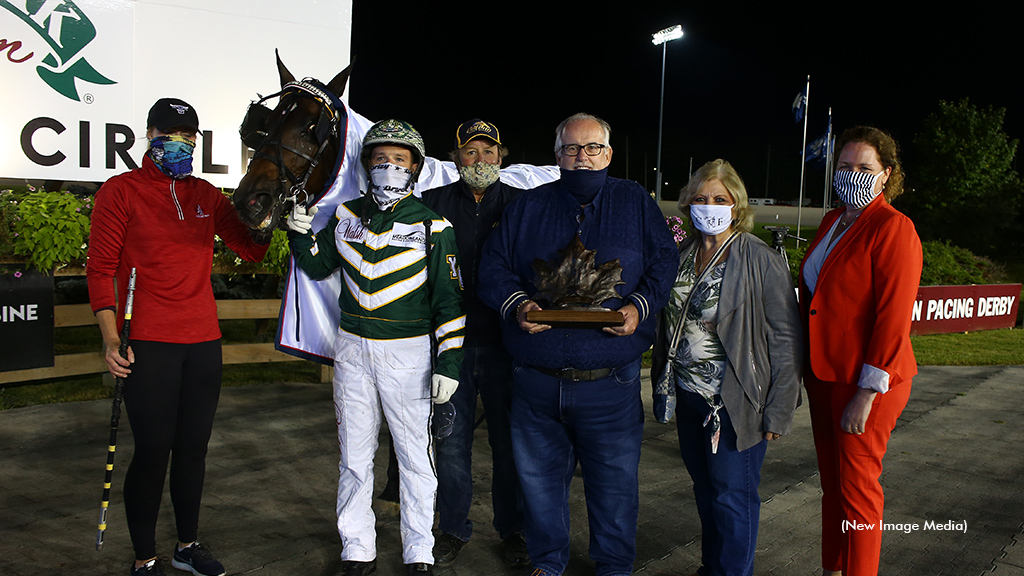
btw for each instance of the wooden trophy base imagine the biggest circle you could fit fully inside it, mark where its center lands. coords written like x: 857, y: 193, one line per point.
x: 577, y: 318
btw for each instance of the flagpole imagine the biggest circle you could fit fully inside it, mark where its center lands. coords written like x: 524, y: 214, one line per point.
x: 828, y: 165
x: 803, y: 160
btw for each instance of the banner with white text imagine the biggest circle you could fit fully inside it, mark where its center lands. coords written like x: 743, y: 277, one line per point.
x: 944, y: 309
x: 26, y: 319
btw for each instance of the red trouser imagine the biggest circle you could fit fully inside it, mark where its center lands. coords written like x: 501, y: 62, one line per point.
x: 849, y: 466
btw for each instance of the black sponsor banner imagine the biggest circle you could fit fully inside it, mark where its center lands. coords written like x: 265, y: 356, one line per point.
x: 26, y: 320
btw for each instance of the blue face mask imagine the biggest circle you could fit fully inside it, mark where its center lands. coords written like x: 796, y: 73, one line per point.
x: 172, y: 155
x: 583, y: 184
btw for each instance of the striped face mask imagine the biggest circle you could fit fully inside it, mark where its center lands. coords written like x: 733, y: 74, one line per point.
x: 856, y: 189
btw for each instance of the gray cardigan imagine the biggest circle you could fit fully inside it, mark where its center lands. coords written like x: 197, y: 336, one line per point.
x: 759, y: 326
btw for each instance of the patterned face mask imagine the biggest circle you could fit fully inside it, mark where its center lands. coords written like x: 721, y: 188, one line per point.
x: 856, y: 189
x: 172, y: 155
x: 480, y: 175
x: 389, y: 183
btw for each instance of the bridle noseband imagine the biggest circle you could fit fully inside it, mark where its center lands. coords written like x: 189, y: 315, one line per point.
x: 258, y: 136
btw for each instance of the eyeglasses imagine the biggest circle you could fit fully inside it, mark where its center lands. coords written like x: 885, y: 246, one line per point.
x: 593, y: 149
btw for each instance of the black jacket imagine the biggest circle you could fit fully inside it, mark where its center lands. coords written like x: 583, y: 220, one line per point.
x: 473, y: 223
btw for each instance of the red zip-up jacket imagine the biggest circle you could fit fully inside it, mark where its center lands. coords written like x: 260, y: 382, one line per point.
x: 165, y: 229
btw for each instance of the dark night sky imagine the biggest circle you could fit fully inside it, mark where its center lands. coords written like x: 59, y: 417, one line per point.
x: 730, y: 81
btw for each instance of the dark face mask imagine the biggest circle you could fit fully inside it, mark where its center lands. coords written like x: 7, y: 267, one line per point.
x: 583, y: 184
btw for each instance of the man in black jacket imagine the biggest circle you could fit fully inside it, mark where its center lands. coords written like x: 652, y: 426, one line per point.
x: 474, y: 205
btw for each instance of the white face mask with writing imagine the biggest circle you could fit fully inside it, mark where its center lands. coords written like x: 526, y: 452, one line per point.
x: 711, y: 219
x: 389, y: 183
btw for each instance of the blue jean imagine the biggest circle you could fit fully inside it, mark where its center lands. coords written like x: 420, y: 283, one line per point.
x: 599, y: 424
x: 486, y: 370
x: 725, y: 487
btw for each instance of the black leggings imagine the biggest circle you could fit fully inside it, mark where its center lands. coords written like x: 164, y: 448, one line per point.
x: 171, y: 397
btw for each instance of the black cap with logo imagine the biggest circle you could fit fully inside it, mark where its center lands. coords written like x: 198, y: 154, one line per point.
x: 476, y: 128
x: 170, y: 113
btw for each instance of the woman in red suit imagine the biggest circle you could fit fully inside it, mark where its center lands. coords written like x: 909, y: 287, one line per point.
x: 858, y: 284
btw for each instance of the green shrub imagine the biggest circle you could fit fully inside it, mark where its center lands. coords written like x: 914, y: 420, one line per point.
x: 796, y: 257
x: 945, y: 264
x: 8, y: 216
x: 51, y: 229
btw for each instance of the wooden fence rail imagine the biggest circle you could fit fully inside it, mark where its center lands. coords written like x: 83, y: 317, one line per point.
x: 92, y: 362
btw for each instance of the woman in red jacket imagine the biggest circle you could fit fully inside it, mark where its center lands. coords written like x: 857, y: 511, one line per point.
x: 858, y: 284
x: 161, y: 220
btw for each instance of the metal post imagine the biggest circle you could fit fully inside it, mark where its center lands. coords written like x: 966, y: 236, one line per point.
x: 661, y: 119
x: 803, y: 160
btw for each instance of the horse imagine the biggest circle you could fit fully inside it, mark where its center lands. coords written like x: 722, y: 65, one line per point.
x: 298, y: 151
x: 298, y: 148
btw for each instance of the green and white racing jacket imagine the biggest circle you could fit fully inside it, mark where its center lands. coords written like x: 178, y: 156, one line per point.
x: 389, y: 290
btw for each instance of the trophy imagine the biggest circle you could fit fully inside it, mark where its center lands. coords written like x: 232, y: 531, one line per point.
x: 571, y: 290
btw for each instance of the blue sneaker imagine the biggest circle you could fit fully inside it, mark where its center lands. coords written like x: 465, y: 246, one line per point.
x: 197, y: 560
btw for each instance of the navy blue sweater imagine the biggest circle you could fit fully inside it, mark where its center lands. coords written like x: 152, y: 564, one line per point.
x: 622, y: 222
x: 473, y: 222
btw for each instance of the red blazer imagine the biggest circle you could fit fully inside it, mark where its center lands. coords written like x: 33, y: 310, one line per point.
x: 861, y: 308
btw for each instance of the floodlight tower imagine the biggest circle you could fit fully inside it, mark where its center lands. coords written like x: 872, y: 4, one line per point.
x: 663, y: 37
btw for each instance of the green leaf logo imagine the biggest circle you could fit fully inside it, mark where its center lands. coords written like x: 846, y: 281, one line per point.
x: 68, y: 31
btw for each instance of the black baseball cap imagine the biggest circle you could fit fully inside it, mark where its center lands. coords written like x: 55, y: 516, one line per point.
x: 476, y: 128
x: 169, y: 113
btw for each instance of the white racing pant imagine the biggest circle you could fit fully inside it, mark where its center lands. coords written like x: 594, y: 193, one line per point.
x: 394, y: 374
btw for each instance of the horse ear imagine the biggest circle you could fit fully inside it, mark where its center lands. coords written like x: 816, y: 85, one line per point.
x: 282, y: 70
x: 337, y: 85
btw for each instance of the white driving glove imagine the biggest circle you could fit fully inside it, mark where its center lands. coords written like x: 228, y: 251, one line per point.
x: 442, y: 388
x: 301, y: 219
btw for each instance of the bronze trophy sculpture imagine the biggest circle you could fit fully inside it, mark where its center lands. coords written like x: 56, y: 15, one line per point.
x: 571, y: 291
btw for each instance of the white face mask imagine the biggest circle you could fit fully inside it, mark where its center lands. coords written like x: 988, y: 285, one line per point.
x: 389, y: 183
x: 711, y: 219
x: 856, y: 189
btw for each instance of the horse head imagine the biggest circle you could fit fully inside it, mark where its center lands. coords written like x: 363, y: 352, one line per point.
x: 296, y: 147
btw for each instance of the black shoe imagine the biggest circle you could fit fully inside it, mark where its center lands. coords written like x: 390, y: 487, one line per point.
x: 419, y: 568
x: 446, y: 549
x: 513, y: 551
x: 152, y: 568
x: 197, y: 560
x: 355, y: 568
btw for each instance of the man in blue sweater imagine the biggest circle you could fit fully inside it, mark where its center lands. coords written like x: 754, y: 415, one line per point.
x: 577, y: 391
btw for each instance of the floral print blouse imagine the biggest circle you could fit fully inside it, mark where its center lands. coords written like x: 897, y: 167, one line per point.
x: 699, y: 364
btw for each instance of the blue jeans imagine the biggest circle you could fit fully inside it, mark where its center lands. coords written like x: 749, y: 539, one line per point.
x: 725, y: 487
x: 599, y: 424
x: 487, y: 370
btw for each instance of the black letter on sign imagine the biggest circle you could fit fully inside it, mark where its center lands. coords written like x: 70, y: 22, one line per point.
x: 208, y: 166
x: 120, y: 148
x: 83, y: 143
x: 26, y: 141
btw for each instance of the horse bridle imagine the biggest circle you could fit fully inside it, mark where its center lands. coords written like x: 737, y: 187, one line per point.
x: 257, y: 135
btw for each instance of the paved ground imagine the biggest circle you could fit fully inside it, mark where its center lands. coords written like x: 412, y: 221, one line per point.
x: 268, y: 510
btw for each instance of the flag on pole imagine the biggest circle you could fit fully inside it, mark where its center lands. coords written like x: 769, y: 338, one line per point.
x: 816, y: 149
x: 799, y: 104
x: 820, y: 148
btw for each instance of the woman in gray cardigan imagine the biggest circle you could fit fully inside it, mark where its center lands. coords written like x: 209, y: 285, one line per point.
x: 729, y: 367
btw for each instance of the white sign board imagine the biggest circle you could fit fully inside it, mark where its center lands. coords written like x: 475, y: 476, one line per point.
x: 79, y: 76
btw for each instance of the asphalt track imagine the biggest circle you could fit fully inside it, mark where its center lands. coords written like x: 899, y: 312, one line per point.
x: 955, y: 460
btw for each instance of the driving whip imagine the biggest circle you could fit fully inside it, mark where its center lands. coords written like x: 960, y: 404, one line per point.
x: 115, y: 412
